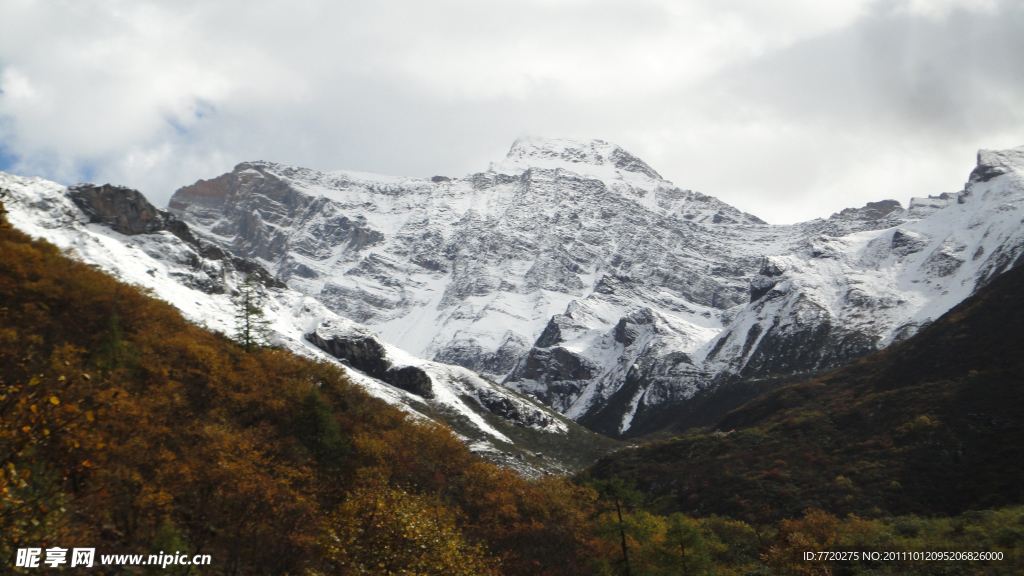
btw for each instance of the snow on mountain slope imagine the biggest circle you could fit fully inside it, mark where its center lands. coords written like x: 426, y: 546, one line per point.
x: 470, y: 270
x: 828, y: 292
x: 864, y: 290
x: 575, y: 273
x: 198, y: 279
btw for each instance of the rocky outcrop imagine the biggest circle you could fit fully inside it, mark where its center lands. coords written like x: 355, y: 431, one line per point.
x: 519, y: 413
x: 128, y: 212
x: 411, y: 379
x: 767, y: 277
x: 554, y: 364
x: 471, y: 354
x: 536, y: 152
x: 364, y: 352
x: 121, y: 209
x: 258, y: 208
x: 925, y: 207
x: 871, y: 211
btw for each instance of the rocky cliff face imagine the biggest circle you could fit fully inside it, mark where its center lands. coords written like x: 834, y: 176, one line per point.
x: 575, y: 273
x: 199, y: 264
x: 121, y: 209
x: 470, y: 270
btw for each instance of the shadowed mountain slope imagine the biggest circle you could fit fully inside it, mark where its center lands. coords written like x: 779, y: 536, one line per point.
x: 930, y: 425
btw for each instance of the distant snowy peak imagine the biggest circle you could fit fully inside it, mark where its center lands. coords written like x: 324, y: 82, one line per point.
x: 575, y: 155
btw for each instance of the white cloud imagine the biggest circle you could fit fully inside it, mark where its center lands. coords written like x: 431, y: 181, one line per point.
x: 790, y: 109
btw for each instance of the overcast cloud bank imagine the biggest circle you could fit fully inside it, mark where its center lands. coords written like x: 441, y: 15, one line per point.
x: 789, y: 111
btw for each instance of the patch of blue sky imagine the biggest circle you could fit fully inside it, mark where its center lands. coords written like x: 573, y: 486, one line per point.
x: 8, y: 159
x: 201, y: 109
x: 87, y: 172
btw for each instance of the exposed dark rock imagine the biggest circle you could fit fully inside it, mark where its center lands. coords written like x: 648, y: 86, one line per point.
x: 625, y: 161
x: 628, y: 328
x: 552, y: 364
x: 606, y: 417
x: 905, y: 242
x: 366, y: 354
x: 870, y: 211
x: 943, y: 264
x: 128, y: 212
x: 410, y: 379
x: 552, y: 334
x: 469, y: 354
x: 515, y: 412
x: 256, y: 272
x: 720, y: 218
x: 121, y: 209
x: 771, y: 268
x: 984, y: 173
x: 608, y: 284
x: 766, y: 279
x: 752, y: 335
x: 759, y: 286
x: 512, y: 349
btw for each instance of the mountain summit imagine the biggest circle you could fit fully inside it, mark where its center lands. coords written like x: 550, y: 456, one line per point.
x: 577, y: 155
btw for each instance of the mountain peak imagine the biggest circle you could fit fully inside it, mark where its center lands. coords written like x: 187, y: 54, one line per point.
x: 574, y: 155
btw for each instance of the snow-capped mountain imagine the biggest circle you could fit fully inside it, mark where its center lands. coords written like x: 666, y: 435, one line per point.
x: 119, y: 231
x: 575, y: 273
x: 826, y: 292
x: 471, y: 270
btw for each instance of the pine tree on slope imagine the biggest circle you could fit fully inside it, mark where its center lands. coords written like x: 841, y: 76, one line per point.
x: 252, y: 329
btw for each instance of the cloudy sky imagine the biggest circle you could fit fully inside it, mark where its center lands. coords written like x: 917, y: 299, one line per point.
x: 789, y: 109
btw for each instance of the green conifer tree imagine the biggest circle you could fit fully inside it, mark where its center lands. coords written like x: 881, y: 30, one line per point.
x: 252, y: 329
x: 620, y: 499
x: 317, y: 429
x: 683, y: 550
